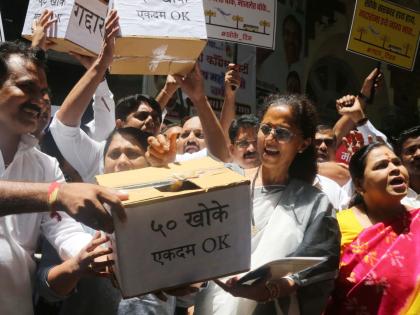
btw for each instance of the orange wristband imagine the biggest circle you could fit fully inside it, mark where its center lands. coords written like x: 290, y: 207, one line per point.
x: 52, y: 198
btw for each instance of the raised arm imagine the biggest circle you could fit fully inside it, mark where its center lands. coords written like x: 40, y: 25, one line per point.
x: 40, y: 27
x: 372, y: 82
x: 193, y: 86
x: 165, y: 95
x: 232, y: 83
x: 78, y: 99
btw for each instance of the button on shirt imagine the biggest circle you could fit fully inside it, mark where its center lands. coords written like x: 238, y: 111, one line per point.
x: 19, y: 234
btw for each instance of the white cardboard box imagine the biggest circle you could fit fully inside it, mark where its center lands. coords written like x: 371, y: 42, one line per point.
x: 176, y: 238
x: 80, y: 25
x: 159, y: 37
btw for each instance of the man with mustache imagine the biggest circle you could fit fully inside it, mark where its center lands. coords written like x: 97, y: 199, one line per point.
x: 191, y: 138
x: 243, y: 141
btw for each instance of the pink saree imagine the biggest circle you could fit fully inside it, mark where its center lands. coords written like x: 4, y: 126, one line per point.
x: 380, y: 270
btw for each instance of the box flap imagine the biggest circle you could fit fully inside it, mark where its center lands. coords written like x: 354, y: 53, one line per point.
x: 144, y: 184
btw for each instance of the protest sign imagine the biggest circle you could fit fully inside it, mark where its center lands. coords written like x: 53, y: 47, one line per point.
x: 241, y: 21
x: 159, y: 36
x: 385, y: 31
x: 213, y: 63
x: 80, y: 25
x: 2, y: 38
x: 186, y: 223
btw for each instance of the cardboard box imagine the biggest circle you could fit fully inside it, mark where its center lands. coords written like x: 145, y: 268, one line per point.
x: 200, y: 232
x: 80, y: 25
x: 159, y: 37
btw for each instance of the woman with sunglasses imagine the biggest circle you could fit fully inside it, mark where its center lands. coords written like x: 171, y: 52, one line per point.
x: 290, y: 218
x: 379, y: 268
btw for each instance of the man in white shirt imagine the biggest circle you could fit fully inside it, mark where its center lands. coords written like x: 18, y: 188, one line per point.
x: 408, y: 149
x: 23, y: 94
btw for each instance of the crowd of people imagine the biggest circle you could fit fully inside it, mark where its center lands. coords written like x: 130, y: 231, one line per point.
x: 346, y: 193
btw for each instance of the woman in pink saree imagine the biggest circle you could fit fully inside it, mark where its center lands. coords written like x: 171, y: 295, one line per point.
x: 380, y: 262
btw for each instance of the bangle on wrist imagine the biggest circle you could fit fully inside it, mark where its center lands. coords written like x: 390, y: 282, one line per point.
x: 361, y: 122
x: 53, y: 190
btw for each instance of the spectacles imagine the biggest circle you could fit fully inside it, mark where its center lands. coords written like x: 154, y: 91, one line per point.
x: 243, y: 144
x: 197, y: 133
x: 143, y: 115
x: 328, y: 142
x: 280, y: 133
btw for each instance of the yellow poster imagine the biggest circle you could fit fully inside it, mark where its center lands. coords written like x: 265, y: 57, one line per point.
x: 386, y: 32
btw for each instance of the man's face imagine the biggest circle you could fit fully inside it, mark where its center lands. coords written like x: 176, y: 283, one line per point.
x: 410, y: 155
x: 191, y: 138
x: 325, y: 146
x: 23, y: 97
x: 244, y: 149
x: 145, y: 119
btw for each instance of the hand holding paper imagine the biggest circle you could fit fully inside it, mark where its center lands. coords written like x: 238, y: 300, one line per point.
x: 106, y: 55
x: 40, y: 27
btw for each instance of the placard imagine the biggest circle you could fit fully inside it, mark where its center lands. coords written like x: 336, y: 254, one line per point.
x: 213, y: 63
x: 80, y: 23
x: 246, y: 22
x: 385, y: 31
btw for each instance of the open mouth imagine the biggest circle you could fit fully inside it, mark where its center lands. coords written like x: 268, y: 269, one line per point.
x: 31, y: 109
x: 398, y: 183
x: 191, y: 148
x: 271, y: 151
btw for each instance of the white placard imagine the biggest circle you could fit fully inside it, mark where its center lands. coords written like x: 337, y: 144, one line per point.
x: 213, y: 63
x: 81, y: 22
x: 2, y: 38
x: 183, y: 240
x: 246, y: 22
x: 161, y: 18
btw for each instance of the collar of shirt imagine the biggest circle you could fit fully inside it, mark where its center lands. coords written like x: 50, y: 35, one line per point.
x: 26, y: 142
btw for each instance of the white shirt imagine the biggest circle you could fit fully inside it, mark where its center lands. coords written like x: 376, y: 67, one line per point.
x: 82, y: 152
x: 337, y: 196
x: 19, y: 234
x: 103, y: 122
x: 368, y: 129
x: 412, y: 200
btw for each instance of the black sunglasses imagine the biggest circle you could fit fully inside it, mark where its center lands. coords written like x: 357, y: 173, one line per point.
x: 328, y: 142
x: 280, y: 133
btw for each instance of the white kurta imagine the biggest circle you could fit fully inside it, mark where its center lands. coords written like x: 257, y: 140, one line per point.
x: 19, y: 234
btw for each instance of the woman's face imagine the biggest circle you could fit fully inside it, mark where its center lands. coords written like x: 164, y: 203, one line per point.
x: 278, y: 152
x: 124, y: 153
x: 385, y: 178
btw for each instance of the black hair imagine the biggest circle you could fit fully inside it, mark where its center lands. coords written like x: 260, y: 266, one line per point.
x: 406, y: 134
x: 8, y: 49
x: 138, y: 135
x: 244, y: 121
x: 324, y: 129
x: 130, y: 104
x: 304, y: 166
x: 357, y: 167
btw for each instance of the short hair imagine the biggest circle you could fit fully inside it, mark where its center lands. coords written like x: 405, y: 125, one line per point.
x: 131, y: 103
x: 244, y: 121
x: 324, y: 129
x: 8, y: 49
x: 413, y: 132
x: 304, y: 166
x: 138, y: 135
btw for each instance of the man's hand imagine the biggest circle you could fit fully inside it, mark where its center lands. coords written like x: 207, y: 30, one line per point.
x: 161, y: 151
x: 112, y: 28
x: 39, y: 30
x: 352, y: 107
x: 93, y: 259
x: 85, y: 203
x: 373, y: 80
x: 192, y: 84
x: 232, y: 80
